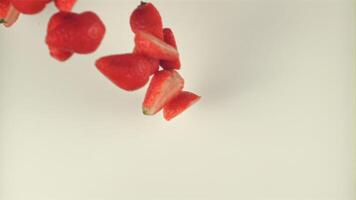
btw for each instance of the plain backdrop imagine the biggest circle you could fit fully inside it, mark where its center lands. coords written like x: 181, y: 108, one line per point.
x: 275, y: 122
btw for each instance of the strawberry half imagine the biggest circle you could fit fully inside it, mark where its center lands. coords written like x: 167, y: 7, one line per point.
x: 30, y: 6
x: 8, y: 13
x: 169, y: 39
x: 164, y: 86
x: 75, y: 33
x: 65, y: 5
x: 147, y: 18
x: 179, y: 104
x: 151, y: 46
x: 127, y: 71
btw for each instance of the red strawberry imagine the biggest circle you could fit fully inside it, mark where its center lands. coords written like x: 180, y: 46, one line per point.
x: 65, y: 5
x: 78, y: 33
x: 151, y: 46
x: 169, y: 39
x: 127, y: 71
x: 179, y: 104
x: 30, y: 6
x: 164, y: 86
x: 154, y: 62
x: 147, y: 18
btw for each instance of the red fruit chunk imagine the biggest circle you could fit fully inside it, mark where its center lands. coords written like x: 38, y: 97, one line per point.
x: 4, y: 8
x: 151, y: 46
x: 56, y: 20
x: 154, y: 62
x: 9, y: 14
x: 60, y: 55
x: 75, y: 33
x: 30, y: 6
x: 127, y: 71
x: 164, y: 86
x: 169, y: 39
x: 65, y: 5
x: 179, y: 104
x: 147, y: 18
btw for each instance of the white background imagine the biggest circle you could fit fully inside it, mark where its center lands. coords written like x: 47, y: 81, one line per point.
x: 276, y: 119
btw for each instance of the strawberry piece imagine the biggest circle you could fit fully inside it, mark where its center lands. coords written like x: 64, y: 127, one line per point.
x: 151, y: 46
x: 179, y: 104
x: 56, y: 20
x: 169, y: 39
x: 164, y: 86
x: 4, y: 8
x: 30, y: 6
x: 76, y: 33
x: 127, y: 71
x: 11, y: 15
x: 147, y: 18
x: 65, y: 5
x: 154, y: 62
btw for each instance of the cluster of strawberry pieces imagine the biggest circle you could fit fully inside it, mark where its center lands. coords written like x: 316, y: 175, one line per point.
x: 155, y: 46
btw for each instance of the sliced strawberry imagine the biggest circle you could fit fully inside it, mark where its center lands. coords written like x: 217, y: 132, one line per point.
x: 127, y: 71
x: 169, y: 39
x: 30, y: 6
x: 147, y: 18
x: 179, y: 104
x: 164, y: 86
x: 11, y: 16
x: 153, y: 61
x: 151, y: 46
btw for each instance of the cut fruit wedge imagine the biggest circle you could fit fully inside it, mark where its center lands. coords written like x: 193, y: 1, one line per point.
x: 179, y: 104
x: 164, y: 86
x: 11, y: 16
x: 153, y: 47
x: 170, y: 39
x: 127, y: 71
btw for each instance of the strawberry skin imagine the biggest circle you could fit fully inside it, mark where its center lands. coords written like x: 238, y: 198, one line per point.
x: 77, y: 33
x: 151, y: 46
x: 30, y: 6
x: 127, y: 71
x: 179, y: 104
x: 169, y: 39
x: 65, y: 5
x: 4, y: 8
x: 164, y: 86
x: 147, y: 18
x: 154, y: 62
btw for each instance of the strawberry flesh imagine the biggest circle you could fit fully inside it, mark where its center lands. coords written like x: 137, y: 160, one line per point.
x: 164, y: 86
x: 179, y: 104
x: 170, y: 39
x: 151, y: 46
